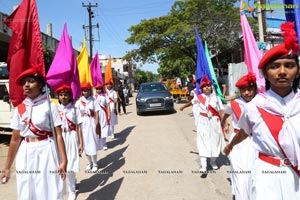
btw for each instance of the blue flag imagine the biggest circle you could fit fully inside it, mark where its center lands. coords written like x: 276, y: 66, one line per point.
x: 292, y: 14
x: 202, y: 64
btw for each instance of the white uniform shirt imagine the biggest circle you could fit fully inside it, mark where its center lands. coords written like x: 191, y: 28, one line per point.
x: 40, y: 117
x: 91, y: 105
x: 111, y: 96
x: 289, y: 138
x: 228, y: 110
x: 211, y: 100
x: 69, y: 112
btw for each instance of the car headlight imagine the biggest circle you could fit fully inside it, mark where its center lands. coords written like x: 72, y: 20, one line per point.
x: 169, y: 97
x: 140, y: 99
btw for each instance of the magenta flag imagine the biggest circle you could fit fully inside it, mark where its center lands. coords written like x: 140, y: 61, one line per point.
x: 63, y: 69
x: 252, y: 53
x: 96, y: 70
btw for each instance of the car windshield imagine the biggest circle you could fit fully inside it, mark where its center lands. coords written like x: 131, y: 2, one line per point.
x: 152, y: 87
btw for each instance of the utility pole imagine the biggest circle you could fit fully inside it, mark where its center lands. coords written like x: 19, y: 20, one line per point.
x: 90, y: 26
x: 260, y: 21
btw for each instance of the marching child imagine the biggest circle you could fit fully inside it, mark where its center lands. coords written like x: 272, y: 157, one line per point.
x: 273, y: 119
x: 112, y: 98
x: 104, y: 114
x: 90, y: 125
x: 243, y: 155
x: 71, y: 132
x: 37, y: 155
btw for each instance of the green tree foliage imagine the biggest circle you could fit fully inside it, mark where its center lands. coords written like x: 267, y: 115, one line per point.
x: 170, y: 40
x: 145, y: 76
x: 48, y: 57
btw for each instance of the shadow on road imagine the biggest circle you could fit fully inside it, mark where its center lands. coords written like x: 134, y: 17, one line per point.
x: 5, y: 139
x: 120, y: 138
x: 223, y: 160
x: 107, y: 192
x: 110, y: 164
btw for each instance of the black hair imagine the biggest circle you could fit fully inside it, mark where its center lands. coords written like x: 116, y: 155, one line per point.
x: 296, y: 80
x: 70, y: 100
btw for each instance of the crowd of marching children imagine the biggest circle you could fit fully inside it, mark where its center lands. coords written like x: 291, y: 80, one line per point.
x: 264, y: 148
x: 47, y: 140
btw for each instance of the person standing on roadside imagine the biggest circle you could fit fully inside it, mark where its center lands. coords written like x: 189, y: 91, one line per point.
x: 121, y: 98
x: 40, y: 163
x: 190, y: 85
x: 243, y: 155
x: 273, y: 119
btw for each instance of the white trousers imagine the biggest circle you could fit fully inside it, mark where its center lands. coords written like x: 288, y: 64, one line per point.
x: 36, y: 171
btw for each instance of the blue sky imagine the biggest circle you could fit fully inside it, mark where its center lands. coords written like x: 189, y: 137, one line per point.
x: 113, y: 16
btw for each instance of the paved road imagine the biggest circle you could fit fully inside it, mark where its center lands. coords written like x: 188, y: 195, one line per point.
x: 153, y: 157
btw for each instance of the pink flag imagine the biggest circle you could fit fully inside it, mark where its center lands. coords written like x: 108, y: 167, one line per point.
x: 252, y: 53
x: 96, y: 70
x: 63, y: 69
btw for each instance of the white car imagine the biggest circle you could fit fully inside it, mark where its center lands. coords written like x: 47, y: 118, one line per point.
x: 6, y: 108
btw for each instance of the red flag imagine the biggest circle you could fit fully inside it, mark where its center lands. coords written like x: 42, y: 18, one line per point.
x: 25, y: 49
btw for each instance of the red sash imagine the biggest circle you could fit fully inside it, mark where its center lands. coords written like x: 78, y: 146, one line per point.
x: 91, y: 111
x: 274, y: 123
x: 38, y: 132
x: 201, y: 99
x: 213, y: 111
x: 110, y: 99
x: 32, y: 127
x: 21, y: 109
x: 236, y: 109
x: 71, y: 125
x: 106, y: 114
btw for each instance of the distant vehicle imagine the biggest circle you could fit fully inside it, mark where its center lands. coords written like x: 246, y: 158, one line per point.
x: 154, y: 96
x: 177, y: 93
x: 6, y: 108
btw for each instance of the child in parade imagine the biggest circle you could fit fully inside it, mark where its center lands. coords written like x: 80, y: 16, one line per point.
x: 40, y: 163
x: 71, y: 132
x: 243, y: 155
x: 112, y: 98
x: 210, y: 140
x: 104, y: 114
x: 273, y: 119
x: 90, y: 127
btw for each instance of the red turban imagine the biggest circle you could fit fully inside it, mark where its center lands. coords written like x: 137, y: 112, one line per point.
x: 205, y: 81
x: 246, y: 80
x: 288, y: 48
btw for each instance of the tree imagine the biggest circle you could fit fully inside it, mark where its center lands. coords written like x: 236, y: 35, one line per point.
x: 170, y: 40
x: 48, y: 57
x: 144, y: 76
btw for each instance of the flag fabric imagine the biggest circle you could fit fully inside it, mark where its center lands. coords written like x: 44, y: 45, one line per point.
x: 108, y: 75
x: 213, y: 76
x: 252, y: 53
x: 25, y: 49
x: 63, y: 69
x: 96, y: 71
x: 202, y: 66
x: 292, y: 13
x: 83, y: 65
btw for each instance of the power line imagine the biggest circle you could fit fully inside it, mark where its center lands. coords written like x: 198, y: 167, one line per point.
x: 90, y: 26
